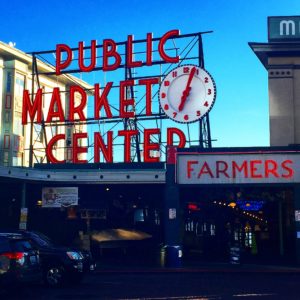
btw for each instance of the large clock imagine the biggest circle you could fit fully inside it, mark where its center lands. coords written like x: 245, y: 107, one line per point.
x: 187, y: 93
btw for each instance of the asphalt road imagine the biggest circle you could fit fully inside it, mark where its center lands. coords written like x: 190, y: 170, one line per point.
x: 177, y: 285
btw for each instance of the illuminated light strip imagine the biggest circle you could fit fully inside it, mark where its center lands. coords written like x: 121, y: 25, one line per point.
x: 244, y: 212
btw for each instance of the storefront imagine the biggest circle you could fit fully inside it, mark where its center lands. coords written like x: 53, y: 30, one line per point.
x: 205, y: 202
x: 238, y: 196
x: 95, y: 201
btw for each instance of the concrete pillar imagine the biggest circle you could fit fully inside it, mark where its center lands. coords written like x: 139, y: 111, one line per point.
x: 172, y: 216
x: 171, y: 256
x: 23, y: 208
x: 297, y: 233
x: 282, y: 105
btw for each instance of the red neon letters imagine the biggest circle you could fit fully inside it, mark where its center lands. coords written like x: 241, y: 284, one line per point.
x: 85, y: 59
x: 76, y: 111
x: 111, y: 58
x: 107, y: 149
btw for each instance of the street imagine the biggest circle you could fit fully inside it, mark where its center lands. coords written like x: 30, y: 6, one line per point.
x: 171, y: 285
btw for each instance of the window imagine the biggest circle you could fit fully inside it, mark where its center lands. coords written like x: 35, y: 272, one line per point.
x: 212, y: 229
x: 21, y: 245
x: 139, y: 215
x: 189, y: 225
x: 17, y: 161
x: 19, y: 88
x: 248, y: 236
x: 20, y: 84
x: 40, y: 239
x: 7, y: 117
x: 8, y: 82
x: 6, y: 141
x: 8, y: 102
x: 18, y: 127
x: 6, y: 158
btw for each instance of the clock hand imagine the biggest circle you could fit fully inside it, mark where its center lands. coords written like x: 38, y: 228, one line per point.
x: 187, y: 90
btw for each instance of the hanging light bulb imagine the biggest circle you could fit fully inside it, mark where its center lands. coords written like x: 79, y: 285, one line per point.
x: 232, y: 204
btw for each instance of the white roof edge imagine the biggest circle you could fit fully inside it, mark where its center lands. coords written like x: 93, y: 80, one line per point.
x: 27, y: 58
x: 76, y: 176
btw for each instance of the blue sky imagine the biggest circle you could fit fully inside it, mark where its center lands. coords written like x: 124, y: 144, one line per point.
x: 240, y: 114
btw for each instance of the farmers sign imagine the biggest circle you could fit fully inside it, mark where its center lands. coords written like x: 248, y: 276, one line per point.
x: 238, y: 168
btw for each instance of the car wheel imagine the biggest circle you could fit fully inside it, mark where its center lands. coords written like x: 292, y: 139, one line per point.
x: 54, y: 276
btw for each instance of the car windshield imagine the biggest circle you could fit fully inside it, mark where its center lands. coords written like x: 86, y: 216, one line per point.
x: 41, y: 239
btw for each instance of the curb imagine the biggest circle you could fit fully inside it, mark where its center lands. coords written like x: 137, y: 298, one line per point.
x: 198, y: 270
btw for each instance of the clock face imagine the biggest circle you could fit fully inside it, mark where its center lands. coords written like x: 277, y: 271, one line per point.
x: 187, y: 93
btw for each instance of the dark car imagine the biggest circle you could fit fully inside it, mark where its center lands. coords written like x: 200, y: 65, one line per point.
x: 19, y: 261
x: 59, y: 264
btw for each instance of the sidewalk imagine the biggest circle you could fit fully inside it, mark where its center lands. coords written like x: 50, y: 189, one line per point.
x: 133, y: 266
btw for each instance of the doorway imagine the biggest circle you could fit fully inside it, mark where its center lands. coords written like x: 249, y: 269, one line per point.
x: 258, y: 220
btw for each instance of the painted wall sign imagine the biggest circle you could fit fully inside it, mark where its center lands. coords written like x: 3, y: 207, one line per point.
x: 284, y: 28
x: 59, y: 196
x: 237, y: 168
x: 250, y: 205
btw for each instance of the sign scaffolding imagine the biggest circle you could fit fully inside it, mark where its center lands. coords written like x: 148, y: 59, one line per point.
x: 120, y: 110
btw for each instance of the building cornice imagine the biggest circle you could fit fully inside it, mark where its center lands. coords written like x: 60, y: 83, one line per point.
x: 266, y: 50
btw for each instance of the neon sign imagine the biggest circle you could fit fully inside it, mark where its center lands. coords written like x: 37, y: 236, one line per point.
x: 111, y: 61
x: 250, y: 205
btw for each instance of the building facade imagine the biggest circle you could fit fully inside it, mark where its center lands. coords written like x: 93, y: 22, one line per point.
x: 281, y: 58
x: 17, y: 140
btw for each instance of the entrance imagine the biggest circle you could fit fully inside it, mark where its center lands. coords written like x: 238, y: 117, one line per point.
x: 111, y: 220
x: 258, y: 220
x: 130, y: 222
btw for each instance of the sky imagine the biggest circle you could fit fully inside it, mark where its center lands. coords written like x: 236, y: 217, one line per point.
x: 240, y: 116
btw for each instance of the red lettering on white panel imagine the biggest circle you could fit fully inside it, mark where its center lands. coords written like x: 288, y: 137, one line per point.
x: 289, y: 169
x: 205, y: 170
x: 243, y: 168
x: 271, y: 167
x: 254, y: 164
x: 190, y: 168
x: 221, y: 168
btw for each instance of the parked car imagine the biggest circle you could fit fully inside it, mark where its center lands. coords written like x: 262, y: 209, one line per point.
x: 59, y: 264
x: 19, y: 261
